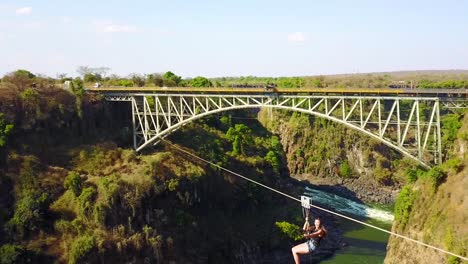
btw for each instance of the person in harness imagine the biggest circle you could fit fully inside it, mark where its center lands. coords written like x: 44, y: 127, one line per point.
x: 314, y: 234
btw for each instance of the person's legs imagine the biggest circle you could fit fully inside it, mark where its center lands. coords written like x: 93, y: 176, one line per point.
x: 299, y: 249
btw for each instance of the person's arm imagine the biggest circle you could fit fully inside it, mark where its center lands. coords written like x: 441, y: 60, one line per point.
x: 305, y: 227
x: 314, y: 234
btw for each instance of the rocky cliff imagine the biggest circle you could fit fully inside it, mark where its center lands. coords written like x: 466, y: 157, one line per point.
x: 325, y: 153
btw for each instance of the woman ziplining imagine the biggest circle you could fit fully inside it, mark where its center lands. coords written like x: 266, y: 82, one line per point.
x: 318, y: 207
x: 314, y: 234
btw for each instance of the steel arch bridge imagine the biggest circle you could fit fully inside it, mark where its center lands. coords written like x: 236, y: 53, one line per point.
x: 410, y: 125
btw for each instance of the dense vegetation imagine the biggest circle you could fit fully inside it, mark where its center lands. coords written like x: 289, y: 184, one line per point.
x: 70, y: 194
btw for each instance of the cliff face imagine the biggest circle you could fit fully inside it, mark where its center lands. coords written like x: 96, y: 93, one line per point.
x: 323, y: 152
x: 437, y: 217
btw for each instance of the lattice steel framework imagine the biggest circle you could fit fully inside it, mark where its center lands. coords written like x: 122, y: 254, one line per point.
x: 455, y: 103
x: 410, y: 125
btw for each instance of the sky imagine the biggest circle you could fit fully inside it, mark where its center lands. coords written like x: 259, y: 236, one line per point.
x: 233, y: 38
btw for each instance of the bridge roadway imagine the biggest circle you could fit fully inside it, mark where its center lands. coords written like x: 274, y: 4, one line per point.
x: 440, y: 93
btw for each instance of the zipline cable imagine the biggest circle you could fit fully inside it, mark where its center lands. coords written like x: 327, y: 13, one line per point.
x: 315, y: 206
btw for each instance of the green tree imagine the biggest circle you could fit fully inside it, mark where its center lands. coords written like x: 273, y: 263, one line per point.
x: 78, y: 90
x: 24, y: 73
x: 226, y: 121
x: 29, y: 212
x: 5, y: 130
x: 200, y: 82
x: 20, y: 78
x: 437, y: 176
x: 240, y: 135
x: 183, y: 83
x: 81, y: 249
x: 77, y: 87
x: 31, y: 100
x: 125, y: 83
x: 92, y: 77
x: 170, y: 79
x: 275, y: 144
x: 272, y: 158
x: 86, y: 199
x: 403, y: 205
x: 290, y: 230
x: 10, y: 254
x: 450, y: 125
x: 74, y: 183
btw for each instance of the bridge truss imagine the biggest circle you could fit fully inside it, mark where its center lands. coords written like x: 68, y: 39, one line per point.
x: 411, y: 125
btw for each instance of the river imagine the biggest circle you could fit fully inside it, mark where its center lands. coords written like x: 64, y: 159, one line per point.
x: 365, y: 245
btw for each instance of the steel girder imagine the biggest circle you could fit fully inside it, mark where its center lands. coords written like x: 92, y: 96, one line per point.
x: 455, y: 104
x: 410, y: 125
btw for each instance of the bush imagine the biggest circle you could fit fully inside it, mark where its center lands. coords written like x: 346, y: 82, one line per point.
x: 63, y: 226
x: 200, y: 82
x: 10, y: 254
x: 78, y: 225
x: 74, y: 183
x: 125, y: 83
x: 450, y: 125
x: 436, y: 175
x: 383, y: 175
x: 5, y: 130
x: 29, y: 212
x: 411, y: 174
x: 241, y: 136
x: 81, y: 248
x: 345, y: 170
x: 453, y: 165
x: 403, y: 205
x: 108, y: 188
x: 100, y: 212
x: 86, y: 199
x: 173, y: 184
x: 291, y: 230
x: 226, y: 121
x: 273, y: 160
x: 275, y: 144
x: 30, y: 167
x: 453, y: 260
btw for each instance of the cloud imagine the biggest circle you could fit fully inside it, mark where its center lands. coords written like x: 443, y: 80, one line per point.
x: 297, y: 37
x: 27, y: 10
x: 109, y: 27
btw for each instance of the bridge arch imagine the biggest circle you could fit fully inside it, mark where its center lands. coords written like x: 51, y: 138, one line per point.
x: 407, y: 130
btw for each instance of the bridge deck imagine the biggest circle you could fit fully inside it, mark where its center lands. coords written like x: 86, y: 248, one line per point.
x: 460, y: 93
